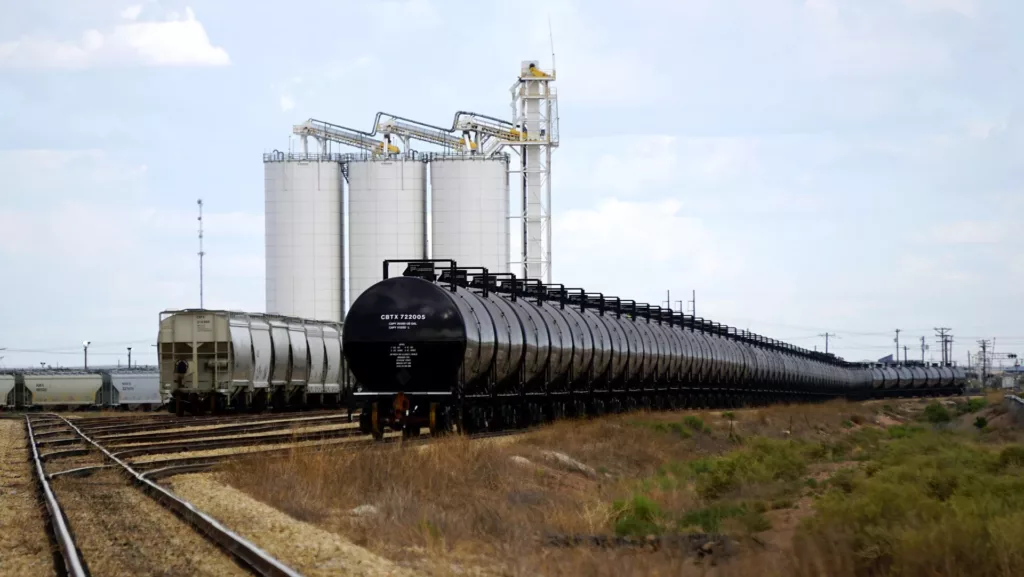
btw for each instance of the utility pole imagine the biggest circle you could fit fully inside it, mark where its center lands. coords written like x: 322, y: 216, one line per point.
x: 826, y: 335
x: 898, y: 345
x: 129, y: 357
x: 946, y: 340
x: 924, y: 347
x: 85, y: 353
x: 984, y: 360
x: 904, y: 354
x: 201, y: 253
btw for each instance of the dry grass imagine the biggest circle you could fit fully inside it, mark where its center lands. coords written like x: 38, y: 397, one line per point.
x: 24, y: 546
x: 470, y: 507
x: 311, y: 551
x: 121, y: 531
x: 470, y: 503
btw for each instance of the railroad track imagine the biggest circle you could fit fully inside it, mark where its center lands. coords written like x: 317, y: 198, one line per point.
x: 92, y: 521
x: 84, y: 474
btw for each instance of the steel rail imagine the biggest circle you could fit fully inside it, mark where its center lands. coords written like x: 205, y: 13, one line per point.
x: 248, y: 554
x: 126, y: 451
x: 186, y: 422
x: 73, y: 564
x: 239, y: 429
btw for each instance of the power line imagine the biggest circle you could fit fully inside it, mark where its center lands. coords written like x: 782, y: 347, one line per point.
x: 946, y: 340
x: 827, y: 335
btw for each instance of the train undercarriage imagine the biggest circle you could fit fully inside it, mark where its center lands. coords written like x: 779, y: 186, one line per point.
x: 444, y: 413
x: 194, y: 403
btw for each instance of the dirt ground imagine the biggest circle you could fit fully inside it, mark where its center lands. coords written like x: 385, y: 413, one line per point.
x: 121, y: 531
x: 461, y: 507
x: 24, y: 545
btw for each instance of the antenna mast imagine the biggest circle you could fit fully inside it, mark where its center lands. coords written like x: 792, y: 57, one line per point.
x: 551, y: 38
x: 201, y: 253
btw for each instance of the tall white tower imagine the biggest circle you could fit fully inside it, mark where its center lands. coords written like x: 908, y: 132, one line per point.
x: 535, y: 116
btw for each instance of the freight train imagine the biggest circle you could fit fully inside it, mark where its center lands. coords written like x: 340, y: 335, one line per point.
x: 213, y: 360
x: 122, y: 388
x: 455, y: 348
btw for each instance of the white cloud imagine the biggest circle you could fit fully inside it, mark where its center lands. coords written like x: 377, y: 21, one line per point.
x: 614, y: 242
x: 853, y: 42
x: 404, y: 15
x: 132, y: 12
x: 973, y: 232
x: 967, y: 8
x: 173, y: 42
x: 287, y: 103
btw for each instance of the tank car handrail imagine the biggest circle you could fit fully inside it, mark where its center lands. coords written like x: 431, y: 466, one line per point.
x: 561, y: 292
x: 600, y: 301
x: 433, y: 261
x: 578, y: 296
x: 504, y: 275
x: 471, y: 269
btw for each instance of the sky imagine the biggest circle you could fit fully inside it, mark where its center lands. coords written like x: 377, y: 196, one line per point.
x: 806, y: 167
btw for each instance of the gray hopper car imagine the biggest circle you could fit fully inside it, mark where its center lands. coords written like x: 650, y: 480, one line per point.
x: 78, y: 389
x: 212, y: 360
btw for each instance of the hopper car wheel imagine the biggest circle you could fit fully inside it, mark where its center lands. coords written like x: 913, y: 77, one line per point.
x: 195, y: 405
x: 259, y: 401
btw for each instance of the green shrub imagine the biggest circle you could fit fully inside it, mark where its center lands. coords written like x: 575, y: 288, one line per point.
x: 694, y: 423
x: 976, y: 404
x: 710, y: 518
x: 936, y: 413
x: 844, y: 480
x: 637, y: 517
x: 755, y: 522
x: 762, y: 461
x: 903, y: 431
x: 783, y: 504
x: 1012, y: 456
x: 934, y: 504
x: 848, y: 424
x: 980, y: 422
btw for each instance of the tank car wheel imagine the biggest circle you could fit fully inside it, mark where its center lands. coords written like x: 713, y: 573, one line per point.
x: 436, y: 418
x: 376, y: 424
